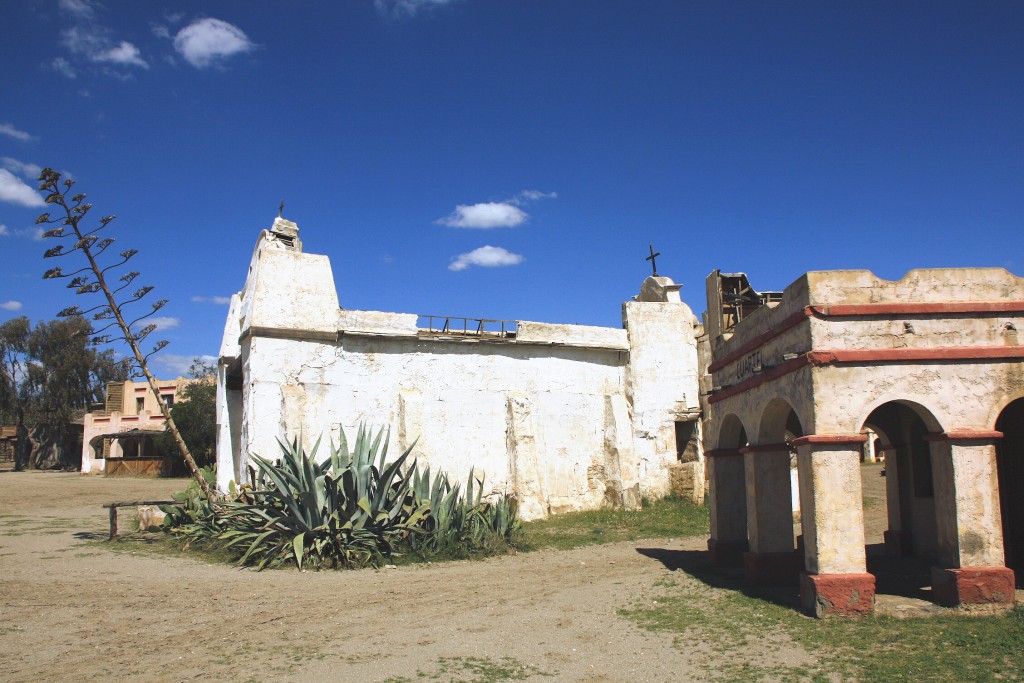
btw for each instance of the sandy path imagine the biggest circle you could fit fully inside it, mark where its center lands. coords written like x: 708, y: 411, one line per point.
x: 72, y: 610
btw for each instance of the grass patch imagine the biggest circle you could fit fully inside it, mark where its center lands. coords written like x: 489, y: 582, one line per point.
x: 159, y: 544
x: 671, y: 517
x: 951, y: 646
x: 474, y: 670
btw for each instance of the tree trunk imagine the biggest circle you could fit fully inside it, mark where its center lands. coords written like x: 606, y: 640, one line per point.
x: 22, y: 447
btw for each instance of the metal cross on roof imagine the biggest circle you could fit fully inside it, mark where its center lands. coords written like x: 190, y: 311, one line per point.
x: 654, y: 266
x: 280, y: 210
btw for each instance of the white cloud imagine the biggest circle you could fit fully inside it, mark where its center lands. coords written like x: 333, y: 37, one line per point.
x: 125, y: 54
x: 220, y: 300
x: 162, y: 323
x: 86, y: 40
x: 407, y: 8
x: 11, y: 305
x: 35, y: 233
x: 485, y: 257
x: 27, y: 171
x: 80, y: 9
x: 534, y: 195
x: 14, y: 191
x: 11, y: 131
x: 174, y: 365
x: 485, y: 215
x: 63, y: 67
x: 4, y: 232
x: 206, y: 41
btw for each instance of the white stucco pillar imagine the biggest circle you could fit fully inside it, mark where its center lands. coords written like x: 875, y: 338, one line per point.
x: 769, y: 514
x: 835, y: 580
x: 727, y: 502
x: 967, y: 515
x: 898, y: 538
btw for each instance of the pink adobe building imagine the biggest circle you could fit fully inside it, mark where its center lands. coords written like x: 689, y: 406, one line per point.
x: 120, y: 439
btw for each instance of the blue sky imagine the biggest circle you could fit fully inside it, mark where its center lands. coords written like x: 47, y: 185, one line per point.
x: 512, y: 158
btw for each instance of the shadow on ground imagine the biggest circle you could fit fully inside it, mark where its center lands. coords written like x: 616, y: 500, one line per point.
x: 900, y: 577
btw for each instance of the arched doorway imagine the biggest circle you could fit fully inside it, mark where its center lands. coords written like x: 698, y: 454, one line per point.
x: 900, y: 524
x: 770, y: 485
x: 1010, y: 467
x: 909, y: 485
x: 727, y: 499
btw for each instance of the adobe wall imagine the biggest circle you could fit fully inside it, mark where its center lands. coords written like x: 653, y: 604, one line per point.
x: 568, y: 417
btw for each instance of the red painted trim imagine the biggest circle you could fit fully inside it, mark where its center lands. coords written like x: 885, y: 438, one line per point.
x: 100, y: 419
x: 757, y: 380
x: 965, y: 435
x: 918, y: 308
x: 832, y: 439
x: 760, y: 339
x: 723, y: 453
x: 857, y: 310
x: 973, y: 586
x: 765, y: 448
x: 130, y: 419
x: 905, y: 354
x: 844, y: 594
x: 141, y: 390
x: 837, y: 356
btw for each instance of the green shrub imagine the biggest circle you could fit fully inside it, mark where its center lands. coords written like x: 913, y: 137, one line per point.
x: 194, y: 519
x: 351, y: 510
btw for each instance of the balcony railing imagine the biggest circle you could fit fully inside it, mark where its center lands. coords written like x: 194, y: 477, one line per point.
x: 451, y: 326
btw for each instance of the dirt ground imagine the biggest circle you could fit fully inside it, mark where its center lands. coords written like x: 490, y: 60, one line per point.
x: 71, y: 609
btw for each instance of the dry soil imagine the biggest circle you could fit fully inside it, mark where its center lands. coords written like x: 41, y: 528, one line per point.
x: 72, y: 609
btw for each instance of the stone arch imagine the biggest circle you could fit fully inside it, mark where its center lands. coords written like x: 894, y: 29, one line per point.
x: 779, y: 423
x: 732, y: 433
x: 998, y: 407
x: 727, y: 501
x: 923, y: 412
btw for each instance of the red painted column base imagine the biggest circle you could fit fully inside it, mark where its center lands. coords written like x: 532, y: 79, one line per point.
x: 823, y: 595
x: 772, y: 567
x: 898, y: 543
x: 727, y: 553
x: 973, y: 586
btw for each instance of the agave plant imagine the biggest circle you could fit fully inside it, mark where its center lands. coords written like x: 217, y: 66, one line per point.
x: 463, y: 522
x: 352, y: 509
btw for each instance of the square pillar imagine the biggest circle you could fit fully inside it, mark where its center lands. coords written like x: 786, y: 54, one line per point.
x: 727, y: 502
x: 898, y: 540
x: 771, y: 558
x: 967, y: 515
x: 836, y: 580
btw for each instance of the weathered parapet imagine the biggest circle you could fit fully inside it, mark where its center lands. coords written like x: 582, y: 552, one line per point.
x: 584, y: 336
x: 662, y: 390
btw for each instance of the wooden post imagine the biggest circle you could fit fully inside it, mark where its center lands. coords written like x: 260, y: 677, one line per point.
x: 113, y: 522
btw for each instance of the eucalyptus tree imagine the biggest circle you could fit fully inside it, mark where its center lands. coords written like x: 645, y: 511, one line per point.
x: 49, y: 374
x: 117, y: 315
x: 60, y: 374
x: 14, y: 386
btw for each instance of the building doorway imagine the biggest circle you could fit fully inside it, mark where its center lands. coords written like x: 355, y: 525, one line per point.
x: 1010, y: 467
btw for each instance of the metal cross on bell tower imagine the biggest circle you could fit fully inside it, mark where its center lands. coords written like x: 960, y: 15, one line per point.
x: 654, y: 266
